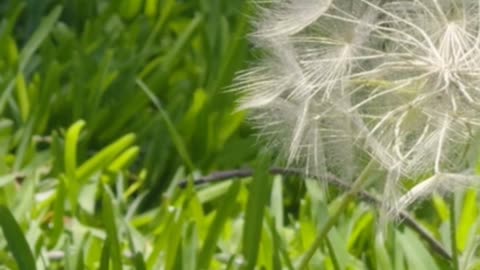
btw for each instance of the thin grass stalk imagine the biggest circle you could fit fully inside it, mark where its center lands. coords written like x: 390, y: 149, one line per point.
x: 453, y: 233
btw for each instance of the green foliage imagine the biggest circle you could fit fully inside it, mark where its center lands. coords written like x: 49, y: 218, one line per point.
x: 105, y: 106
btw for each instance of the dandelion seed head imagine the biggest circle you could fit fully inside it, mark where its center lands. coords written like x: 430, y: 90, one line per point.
x: 397, y: 80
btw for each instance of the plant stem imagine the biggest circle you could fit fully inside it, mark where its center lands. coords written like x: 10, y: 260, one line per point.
x: 453, y: 233
x: 356, y: 186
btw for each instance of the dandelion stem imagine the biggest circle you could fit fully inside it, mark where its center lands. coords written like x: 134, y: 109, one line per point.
x: 453, y: 233
x: 349, y: 196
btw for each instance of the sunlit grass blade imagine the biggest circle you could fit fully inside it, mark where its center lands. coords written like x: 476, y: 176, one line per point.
x: 468, y: 217
x: 189, y: 247
x: 71, y: 141
x: 104, y: 157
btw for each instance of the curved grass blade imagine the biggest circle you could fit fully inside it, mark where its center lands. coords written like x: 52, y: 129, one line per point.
x: 71, y: 141
x: 104, y: 157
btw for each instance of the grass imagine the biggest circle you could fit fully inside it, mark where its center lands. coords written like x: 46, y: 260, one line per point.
x: 106, y: 107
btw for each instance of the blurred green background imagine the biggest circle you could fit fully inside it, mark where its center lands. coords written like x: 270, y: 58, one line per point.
x: 156, y: 69
x: 105, y: 106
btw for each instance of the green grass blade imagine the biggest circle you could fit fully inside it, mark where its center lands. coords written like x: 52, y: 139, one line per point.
x: 417, y: 256
x: 39, y: 36
x: 172, y: 130
x: 276, y: 201
x: 125, y: 159
x: 215, y: 229
x: 105, y: 256
x: 25, y: 142
x: 257, y: 200
x: 58, y: 212
x: 173, y: 55
x: 16, y: 240
x: 109, y: 220
x: 189, y: 247
x: 139, y: 262
x: 276, y: 243
x: 468, y: 216
x: 337, y: 249
x: 71, y: 142
x: 104, y: 157
x: 382, y: 260
x: 22, y: 96
x: 166, y: 9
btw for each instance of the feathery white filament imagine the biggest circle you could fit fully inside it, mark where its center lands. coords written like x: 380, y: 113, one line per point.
x: 285, y: 18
